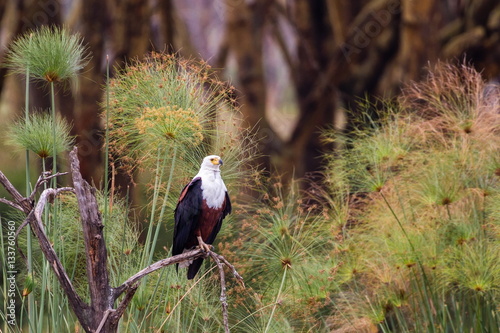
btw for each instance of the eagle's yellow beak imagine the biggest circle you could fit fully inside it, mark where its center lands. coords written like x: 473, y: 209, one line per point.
x: 216, y: 161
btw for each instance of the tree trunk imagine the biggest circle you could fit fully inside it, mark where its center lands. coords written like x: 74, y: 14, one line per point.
x: 418, y: 42
x: 244, y: 35
x: 165, y: 39
x: 9, y: 25
x: 316, y: 112
x: 101, y: 297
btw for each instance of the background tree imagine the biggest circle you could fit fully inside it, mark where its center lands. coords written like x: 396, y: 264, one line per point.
x: 306, y: 60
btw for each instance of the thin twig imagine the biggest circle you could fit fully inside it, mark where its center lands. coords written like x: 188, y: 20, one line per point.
x: 48, y: 195
x: 35, y: 220
x: 223, y: 297
x: 238, y: 277
x: 117, y: 314
x: 103, y: 321
x: 20, y: 201
x: 24, y: 205
x: 10, y: 203
x: 131, y: 284
x: 44, y: 178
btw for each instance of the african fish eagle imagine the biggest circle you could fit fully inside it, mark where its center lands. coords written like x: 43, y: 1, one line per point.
x: 202, y: 206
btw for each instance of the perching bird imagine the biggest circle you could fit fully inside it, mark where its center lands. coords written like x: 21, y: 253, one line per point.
x: 202, y: 206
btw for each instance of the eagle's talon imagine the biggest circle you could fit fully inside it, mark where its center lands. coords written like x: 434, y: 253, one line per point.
x: 204, y: 246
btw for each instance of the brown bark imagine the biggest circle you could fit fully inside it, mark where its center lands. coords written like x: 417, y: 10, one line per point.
x: 244, y: 35
x: 129, y: 31
x: 128, y: 28
x: 418, y: 38
x: 9, y: 18
x: 34, y: 219
x: 314, y: 51
x: 95, y: 247
x: 166, y: 26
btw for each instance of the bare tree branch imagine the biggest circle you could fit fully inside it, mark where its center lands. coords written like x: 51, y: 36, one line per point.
x: 44, y: 178
x: 233, y: 270
x: 186, y: 256
x: 223, y: 297
x: 132, y: 282
x: 24, y: 205
x: 103, y: 321
x: 117, y: 314
x: 12, y: 204
x: 34, y: 218
x: 48, y: 195
x: 92, y: 226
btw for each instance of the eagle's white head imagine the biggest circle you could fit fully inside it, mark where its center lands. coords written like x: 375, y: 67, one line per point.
x: 211, y: 162
x: 212, y: 185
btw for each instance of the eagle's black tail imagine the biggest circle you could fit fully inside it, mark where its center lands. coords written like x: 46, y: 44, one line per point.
x: 194, y: 268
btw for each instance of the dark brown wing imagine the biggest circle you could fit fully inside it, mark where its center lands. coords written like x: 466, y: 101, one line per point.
x: 187, y: 214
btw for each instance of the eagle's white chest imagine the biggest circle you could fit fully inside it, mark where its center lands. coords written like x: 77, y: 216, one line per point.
x: 213, y: 188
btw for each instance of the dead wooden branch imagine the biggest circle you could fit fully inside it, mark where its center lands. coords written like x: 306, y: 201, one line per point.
x: 238, y: 277
x: 10, y: 203
x: 19, y: 201
x: 186, y: 256
x: 93, y: 237
x: 43, y: 179
x: 81, y: 309
x: 223, y: 297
